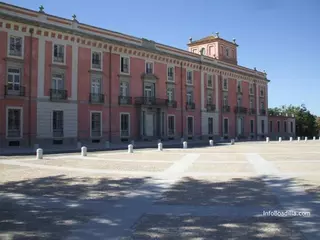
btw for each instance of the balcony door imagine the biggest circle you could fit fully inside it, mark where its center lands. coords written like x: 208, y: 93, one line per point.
x: 57, y: 82
x: 95, y: 89
x: 240, y: 125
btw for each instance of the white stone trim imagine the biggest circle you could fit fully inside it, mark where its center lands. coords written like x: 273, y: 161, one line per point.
x: 174, y: 73
x: 129, y: 123
x: 101, y: 54
x: 64, y: 44
x: 129, y: 63
x: 21, y: 121
x: 153, y: 65
x: 16, y: 34
x: 41, y: 66
x: 192, y: 72
x: 101, y: 127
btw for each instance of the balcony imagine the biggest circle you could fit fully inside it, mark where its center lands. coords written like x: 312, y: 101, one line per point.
x: 171, y: 103
x: 263, y: 112
x: 240, y: 110
x: 16, y: 90
x: 252, y: 111
x: 190, y: 105
x: 150, y: 101
x: 225, y: 108
x: 211, y: 107
x: 239, y: 90
x: 124, y: 100
x: 58, y: 94
x: 96, y: 98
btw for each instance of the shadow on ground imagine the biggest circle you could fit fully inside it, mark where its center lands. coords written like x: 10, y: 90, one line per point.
x: 49, y: 208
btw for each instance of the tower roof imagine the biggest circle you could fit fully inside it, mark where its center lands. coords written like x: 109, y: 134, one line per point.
x: 209, y: 39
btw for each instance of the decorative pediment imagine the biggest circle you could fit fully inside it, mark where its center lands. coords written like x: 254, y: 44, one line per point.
x: 149, y: 76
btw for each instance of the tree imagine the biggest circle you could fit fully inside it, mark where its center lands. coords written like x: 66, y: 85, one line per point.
x: 306, y: 124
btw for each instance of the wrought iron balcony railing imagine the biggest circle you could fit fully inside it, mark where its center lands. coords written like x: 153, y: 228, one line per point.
x: 190, y: 105
x: 211, y: 107
x: 241, y: 110
x: 171, y: 103
x: 263, y: 112
x: 252, y: 111
x: 96, y: 98
x: 14, y: 90
x: 58, y: 94
x: 124, y: 100
x: 151, y: 101
x: 225, y: 108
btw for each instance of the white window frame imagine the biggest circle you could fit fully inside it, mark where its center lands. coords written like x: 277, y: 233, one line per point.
x: 190, y: 116
x: 152, y: 64
x: 91, y: 112
x: 187, y: 83
x: 128, y: 57
x: 263, y: 90
x: 251, y: 105
x: 211, y: 97
x: 101, y: 59
x: 14, y: 74
x: 195, y: 50
x: 174, y: 124
x: 96, y: 81
x: 227, y: 52
x: 172, y: 93
x: 192, y: 96
x: 129, y: 123
x: 7, y: 122
x: 223, y: 87
x: 15, y: 35
x: 239, y: 84
x: 173, y: 75
x: 64, y: 53
x: 251, y: 87
x: 63, y: 115
x: 212, y: 83
x: 121, y: 89
x: 225, y: 100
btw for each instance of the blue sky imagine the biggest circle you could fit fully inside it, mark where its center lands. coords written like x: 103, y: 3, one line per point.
x: 279, y: 36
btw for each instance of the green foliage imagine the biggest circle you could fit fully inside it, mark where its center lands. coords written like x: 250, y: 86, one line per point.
x: 307, y: 124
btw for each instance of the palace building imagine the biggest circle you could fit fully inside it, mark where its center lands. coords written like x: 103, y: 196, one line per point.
x: 63, y: 81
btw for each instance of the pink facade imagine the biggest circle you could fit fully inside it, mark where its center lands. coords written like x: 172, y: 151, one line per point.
x: 96, y: 85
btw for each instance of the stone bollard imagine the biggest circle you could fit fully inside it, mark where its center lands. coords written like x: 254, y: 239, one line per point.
x: 84, y: 151
x: 267, y: 139
x: 305, y: 139
x: 232, y: 142
x: 299, y: 139
x: 78, y: 145
x: 290, y: 139
x: 314, y: 138
x: 185, y: 145
x: 130, y: 148
x: 280, y: 139
x: 39, y: 153
x: 160, y: 146
x: 107, y: 144
x: 211, y: 143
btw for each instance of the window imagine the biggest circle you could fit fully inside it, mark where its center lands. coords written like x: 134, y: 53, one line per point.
x: 210, y: 51
x: 14, y: 121
x: 261, y: 91
x: 278, y: 126
x: 124, y: 125
x: 189, y: 77
x: 251, y: 126
x: 262, y: 126
x: 149, y: 91
x: 190, y: 125
x: 225, y: 126
x: 124, y: 89
x: 291, y: 127
x: 227, y: 52
x: 170, y: 94
x: 285, y: 126
x: 124, y: 65
x: 270, y: 126
x: 225, y: 101
x: 189, y: 97
x: 210, y: 81
x: 57, y: 81
x: 96, y: 85
x: 58, y: 53
x: 209, y: 98
x: 96, y: 129
x: 171, y: 125
x: 57, y: 123
x: 194, y: 50
x: 171, y: 74
x: 96, y: 62
x: 225, y: 84
x: 15, y: 46
x: 149, y: 67
x: 262, y: 105
x: 14, y: 79
x: 251, y: 103
x: 251, y: 89
x: 239, y: 102
x: 239, y: 87
x: 210, y: 125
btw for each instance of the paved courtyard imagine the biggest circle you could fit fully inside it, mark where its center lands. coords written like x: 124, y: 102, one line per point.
x: 215, y: 192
